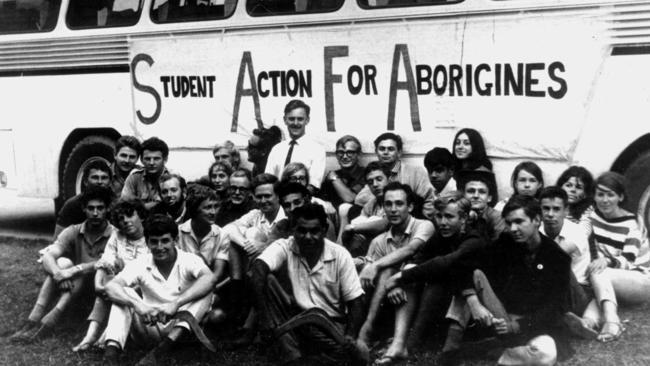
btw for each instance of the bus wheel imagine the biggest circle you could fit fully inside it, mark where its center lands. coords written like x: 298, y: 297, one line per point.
x: 638, y: 188
x: 87, y: 150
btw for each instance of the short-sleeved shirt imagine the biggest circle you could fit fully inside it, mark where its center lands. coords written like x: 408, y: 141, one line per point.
x: 254, y: 225
x: 580, y: 259
x: 139, y: 185
x: 75, y: 244
x: 156, y: 290
x: 386, y: 243
x: 213, y: 246
x: 331, y: 283
x: 120, y: 250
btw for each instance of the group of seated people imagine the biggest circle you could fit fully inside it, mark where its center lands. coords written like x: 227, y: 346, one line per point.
x: 320, y: 267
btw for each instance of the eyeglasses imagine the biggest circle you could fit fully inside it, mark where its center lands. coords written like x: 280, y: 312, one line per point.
x: 234, y: 189
x: 350, y: 153
x: 299, y: 178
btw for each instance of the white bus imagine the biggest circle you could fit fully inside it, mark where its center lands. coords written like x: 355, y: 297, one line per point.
x: 560, y: 82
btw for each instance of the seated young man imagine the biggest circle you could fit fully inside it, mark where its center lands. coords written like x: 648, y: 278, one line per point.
x: 170, y: 281
x: 200, y: 235
x: 603, y: 309
x: 70, y: 265
x: 127, y: 153
x: 388, y: 147
x: 390, y: 251
x: 125, y: 245
x: 240, y: 199
x: 372, y: 221
x: 521, y: 290
x: 143, y: 184
x: 452, y: 245
x: 440, y: 165
x: 96, y: 174
x: 322, y: 276
x: 480, y: 189
x: 173, y: 191
x: 293, y: 195
x: 249, y: 233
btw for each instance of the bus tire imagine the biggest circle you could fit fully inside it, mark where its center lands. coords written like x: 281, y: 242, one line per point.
x: 638, y: 187
x: 87, y: 150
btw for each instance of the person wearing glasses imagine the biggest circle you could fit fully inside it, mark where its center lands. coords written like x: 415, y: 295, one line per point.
x: 240, y: 199
x: 298, y: 148
x: 342, y: 185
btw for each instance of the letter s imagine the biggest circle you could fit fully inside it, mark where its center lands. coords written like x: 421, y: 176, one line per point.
x: 145, y: 89
x: 552, y: 71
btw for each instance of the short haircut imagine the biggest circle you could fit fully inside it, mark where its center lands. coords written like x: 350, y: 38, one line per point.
x: 97, y: 165
x: 126, y: 208
x: 347, y: 138
x: 286, y: 188
x: 530, y: 205
x: 166, y: 177
x: 310, y: 211
x: 397, y: 186
x: 531, y: 168
x: 264, y: 178
x: 389, y: 136
x: 614, y: 181
x: 159, y: 225
x: 197, y: 195
x: 103, y: 194
x: 293, y: 168
x: 375, y: 165
x: 232, y: 150
x: 242, y: 173
x: 438, y: 156
x: 130, y: 142
x: 156, y: 144
x: 552, y: 192
x: 295, y: 104
x: 453, y: 197
x: 221, y: 167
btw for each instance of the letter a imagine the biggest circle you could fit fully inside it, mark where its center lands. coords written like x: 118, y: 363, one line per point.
x: 246, y: 65
x: 401, y: 51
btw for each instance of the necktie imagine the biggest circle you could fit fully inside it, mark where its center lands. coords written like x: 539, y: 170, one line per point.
x: 292, y: 143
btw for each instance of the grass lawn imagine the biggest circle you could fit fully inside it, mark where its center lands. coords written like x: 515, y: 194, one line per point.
x: 21, y: 276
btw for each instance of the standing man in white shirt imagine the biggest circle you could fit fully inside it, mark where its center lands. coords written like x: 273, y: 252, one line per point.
x: 298, y: 147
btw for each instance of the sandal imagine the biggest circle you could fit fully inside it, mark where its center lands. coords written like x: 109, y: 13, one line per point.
x: 579, y: 327
x: 610, y: 336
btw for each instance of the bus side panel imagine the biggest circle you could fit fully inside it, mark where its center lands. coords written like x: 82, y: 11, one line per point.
x: 619, y: 111
x: 45, y: 109
x: 517, y: 78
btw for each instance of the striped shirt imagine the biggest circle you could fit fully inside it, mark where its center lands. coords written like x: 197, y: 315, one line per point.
x: 620, y: 240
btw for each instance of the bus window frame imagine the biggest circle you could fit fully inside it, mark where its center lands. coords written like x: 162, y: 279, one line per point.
x: 367, y: 7
x: 151, y: 18
x: 67, y: 19
x: 56, y: 23
x: 271, y: 15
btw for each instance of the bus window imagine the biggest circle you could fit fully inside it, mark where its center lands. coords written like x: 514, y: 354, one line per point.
x: 283, y: 7
x: 167, y: 11
x: 103, y: 13
x: 28, y: 16
x: 375, y: 4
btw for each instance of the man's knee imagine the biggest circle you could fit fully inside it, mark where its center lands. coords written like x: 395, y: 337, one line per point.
x: 540, y: 351
x: 64, y: 262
